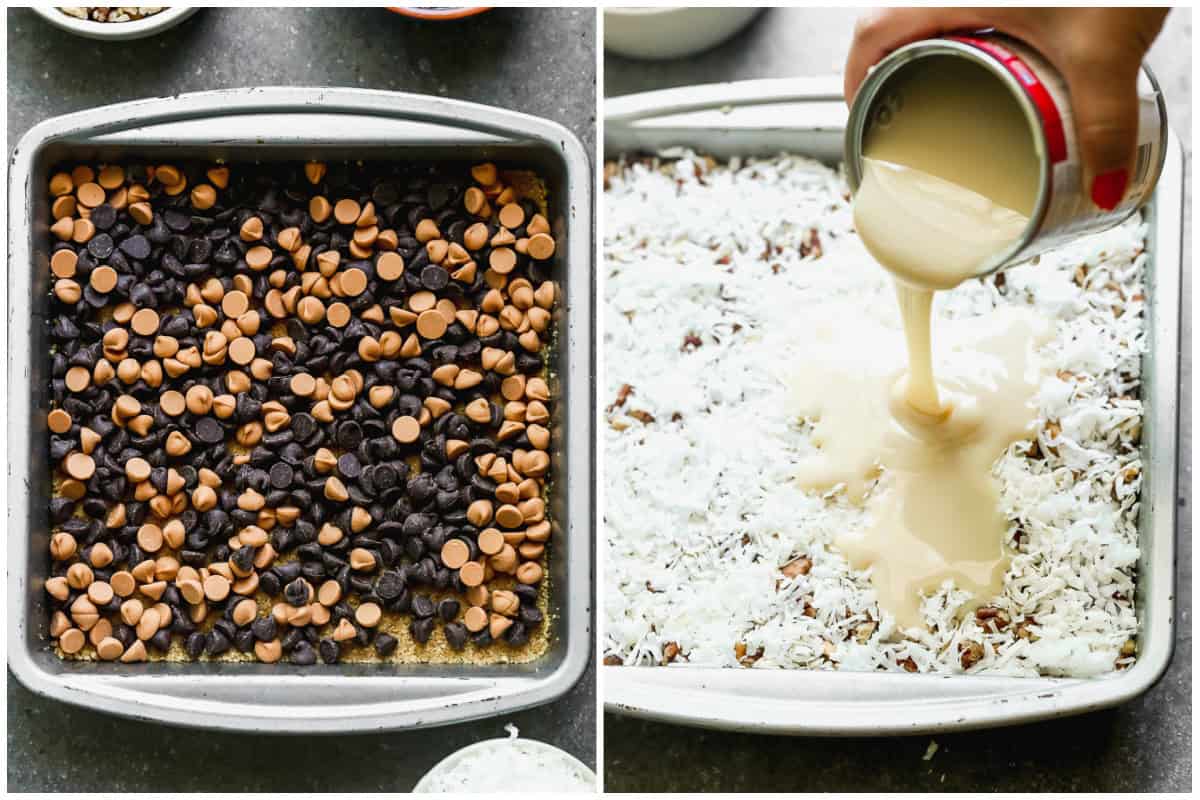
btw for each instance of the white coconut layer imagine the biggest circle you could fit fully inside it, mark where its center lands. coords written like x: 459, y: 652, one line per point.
x: 709, y: 272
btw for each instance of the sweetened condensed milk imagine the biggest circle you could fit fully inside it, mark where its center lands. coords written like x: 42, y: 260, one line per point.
x: 950, y: 177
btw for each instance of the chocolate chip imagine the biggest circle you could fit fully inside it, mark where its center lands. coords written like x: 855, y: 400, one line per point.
x: 349, y: 466
x: 303, y: 654
x: 209, y: 431
x: 281, y: 475
x: 136, y: 246
x: 385, y: 644
x: 456, y: 635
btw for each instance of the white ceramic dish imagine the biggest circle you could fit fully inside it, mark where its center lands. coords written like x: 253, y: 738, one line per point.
x: 661, y: 33
x: 116, y: 31
x: 547, y: 753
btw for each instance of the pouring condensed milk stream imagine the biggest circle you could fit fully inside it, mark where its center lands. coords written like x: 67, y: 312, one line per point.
x: 951, y: 175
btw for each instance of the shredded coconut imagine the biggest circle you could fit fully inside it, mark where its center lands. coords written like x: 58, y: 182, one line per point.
x: 710, y: 269
x: 509, y: 765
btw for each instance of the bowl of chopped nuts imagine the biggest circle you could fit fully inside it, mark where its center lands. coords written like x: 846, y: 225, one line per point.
x: 115, y: 23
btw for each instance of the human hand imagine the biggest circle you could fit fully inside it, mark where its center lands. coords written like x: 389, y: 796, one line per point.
x: 1098, y: 51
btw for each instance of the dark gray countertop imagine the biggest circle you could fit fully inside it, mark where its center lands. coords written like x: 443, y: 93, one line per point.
x: 538, y: 61
x: 1144, y: 745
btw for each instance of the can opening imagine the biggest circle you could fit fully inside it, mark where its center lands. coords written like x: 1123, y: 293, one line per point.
x: 955, y: 119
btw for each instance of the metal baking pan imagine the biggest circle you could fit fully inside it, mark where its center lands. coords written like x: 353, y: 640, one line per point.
x: 300, y: 123
x: 807, y: 117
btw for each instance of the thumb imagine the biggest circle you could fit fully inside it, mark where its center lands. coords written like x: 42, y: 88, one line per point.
x: 1106, y: 125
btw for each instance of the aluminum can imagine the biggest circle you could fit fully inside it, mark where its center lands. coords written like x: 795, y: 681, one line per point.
x: 1063, y: 210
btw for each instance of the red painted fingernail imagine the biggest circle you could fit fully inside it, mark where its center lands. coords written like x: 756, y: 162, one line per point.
x: 1109, y: 188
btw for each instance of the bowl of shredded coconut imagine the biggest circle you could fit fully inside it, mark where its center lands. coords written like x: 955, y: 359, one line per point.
x: 115, y: 23
x: 508, y: 764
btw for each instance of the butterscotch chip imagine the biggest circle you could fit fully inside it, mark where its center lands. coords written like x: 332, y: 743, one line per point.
x: 302, y: 384
x: 62, y: 546
x: 90, y: 195
x: 529, y: 573
x: 72, y: 641
x: 61, y: 183
x: 368, y: 615
x: 216, y: 588
x: 471, y: 573
x: 150, y: 538
x: 491, y: 541
x: 251, y: 230
x: 63, y: 262
x: 145, y: 322
x: 78, y: 379
x: 289, y: 239
x: 122, y: 583
x: 475, y: 618
x: 354, y: 282
x: 244, y: 612
x: 82, y: 230
x: 258, y: 257
x: 406, y: 429
x: 512, y: 215
x: 431, y: 324
x: 498, y: 624
x: 235, y: 303
x: 329, y: 593
x: 338, y: 315
x: 167, y: 174
x: 241, y: 350
x: 455, y: 553
x: 80, y: 466
x: 389, y: 266
x: 142, y: 213
x: 335, y: 490
x: 111, y: 176
x: 204, y: 197
x: 63, y: 207
x: 268, y: 652
x: 427, y: 231
x: 100, y: 593
x: 541, y: 246
x: 346, y: 211
x: 502, y: 260
x: 67, y: 291
x: 474, y: 200
x: 58, y: 421
x: 103, y: 279
x: 172, y: 403
x: 63, y: 229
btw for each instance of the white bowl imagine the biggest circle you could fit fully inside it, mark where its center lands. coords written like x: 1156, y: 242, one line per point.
x: 659, y: 33
x: 548, y: 755
x: 116, y: 31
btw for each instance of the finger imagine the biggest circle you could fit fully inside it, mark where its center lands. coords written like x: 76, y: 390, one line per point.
x: 879, y: 33
x: 1105, y: 104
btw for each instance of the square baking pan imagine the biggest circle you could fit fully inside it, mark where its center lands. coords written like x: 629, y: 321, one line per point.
x: 266, y: 124
x: 807, y: 117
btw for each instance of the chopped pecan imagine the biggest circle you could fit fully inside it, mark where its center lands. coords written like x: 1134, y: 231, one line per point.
x: 622, y: 395
x: 1024, y: 629
x: 645, y: 417
x: 810, y: 244
x: 969, y: 654
x: 670, y: 652
x: 908, y: 664
x: 613, y: 661
x: 690, y: 342
x: 998, y: 617
x: 797, y: 566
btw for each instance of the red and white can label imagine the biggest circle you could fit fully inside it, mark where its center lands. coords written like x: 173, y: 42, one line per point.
x: 1069, y: 209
